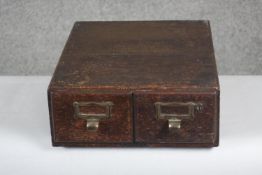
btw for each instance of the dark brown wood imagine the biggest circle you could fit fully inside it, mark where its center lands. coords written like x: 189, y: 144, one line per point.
x: 117, y: 129
x: 202, y: 129
x: 134, y: 65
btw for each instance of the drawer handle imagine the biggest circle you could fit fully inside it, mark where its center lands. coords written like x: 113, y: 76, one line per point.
x: 174, y: 119
x: 92, y: 120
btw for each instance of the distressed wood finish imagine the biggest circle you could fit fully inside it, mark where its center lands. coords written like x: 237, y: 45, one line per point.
x: 67, y: 128
x: 134, y: 65
x: 202, y: 129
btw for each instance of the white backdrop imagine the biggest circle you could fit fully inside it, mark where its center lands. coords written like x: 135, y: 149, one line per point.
x: 25, y: 146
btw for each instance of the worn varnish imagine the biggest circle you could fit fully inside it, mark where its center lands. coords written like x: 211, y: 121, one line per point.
x: 135, y: 66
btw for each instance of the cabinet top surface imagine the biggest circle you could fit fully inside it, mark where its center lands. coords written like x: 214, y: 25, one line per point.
x: 133, y: 55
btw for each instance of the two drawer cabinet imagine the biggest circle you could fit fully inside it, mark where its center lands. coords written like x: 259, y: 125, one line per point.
x: 144, y: 83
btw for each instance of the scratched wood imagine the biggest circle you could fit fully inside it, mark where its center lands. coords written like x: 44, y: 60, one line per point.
x: 134, y: 65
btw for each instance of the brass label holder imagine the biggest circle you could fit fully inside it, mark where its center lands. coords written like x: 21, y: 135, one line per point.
x: 174, y: 119
x: 92, y: 120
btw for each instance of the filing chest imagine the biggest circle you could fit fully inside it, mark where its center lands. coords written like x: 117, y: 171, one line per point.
x: 136, y: 83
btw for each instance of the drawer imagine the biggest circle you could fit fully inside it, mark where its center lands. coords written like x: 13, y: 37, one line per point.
x: 86, y: 118
x: 176, y: 118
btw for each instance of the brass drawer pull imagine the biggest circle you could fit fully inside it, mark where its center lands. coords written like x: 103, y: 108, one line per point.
x: 174, y: 119
x: 92, y: 120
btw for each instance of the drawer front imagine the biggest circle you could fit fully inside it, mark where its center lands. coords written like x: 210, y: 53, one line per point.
x: 177, y: 118
x: 82, y: 118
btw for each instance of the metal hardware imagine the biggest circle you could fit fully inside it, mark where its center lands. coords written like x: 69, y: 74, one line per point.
x: 92, y: 120
x: 174, y: 119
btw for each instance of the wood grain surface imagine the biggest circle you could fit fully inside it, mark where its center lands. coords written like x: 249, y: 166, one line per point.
x: 134, y: 65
